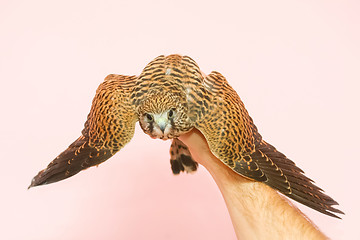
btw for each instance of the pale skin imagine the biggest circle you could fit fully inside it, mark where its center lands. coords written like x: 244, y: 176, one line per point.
x: 256, y: 210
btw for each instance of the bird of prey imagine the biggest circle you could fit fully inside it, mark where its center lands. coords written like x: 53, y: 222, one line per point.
x: 169, y: 98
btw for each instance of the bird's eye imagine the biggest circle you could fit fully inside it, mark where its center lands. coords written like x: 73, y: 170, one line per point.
x: 171, y: 113
x: 149, y: 117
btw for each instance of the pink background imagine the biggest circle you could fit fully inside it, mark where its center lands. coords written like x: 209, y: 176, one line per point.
x: 295, y: 64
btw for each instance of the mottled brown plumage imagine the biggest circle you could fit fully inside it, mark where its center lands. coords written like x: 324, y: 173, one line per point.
x: 170, y: 97
x: 180, y: 158
x: 110, y: 125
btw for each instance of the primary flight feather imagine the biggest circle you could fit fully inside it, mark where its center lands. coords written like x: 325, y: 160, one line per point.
x: 169, y: 98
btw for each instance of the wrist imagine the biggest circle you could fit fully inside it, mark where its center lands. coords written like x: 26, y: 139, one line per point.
x: 255, y: 209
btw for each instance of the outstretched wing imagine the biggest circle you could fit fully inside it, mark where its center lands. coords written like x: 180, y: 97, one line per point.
x: 234, y: 139
x: 109, y: 126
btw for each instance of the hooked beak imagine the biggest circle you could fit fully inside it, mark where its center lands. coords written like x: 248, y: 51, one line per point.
x: 161, y: 122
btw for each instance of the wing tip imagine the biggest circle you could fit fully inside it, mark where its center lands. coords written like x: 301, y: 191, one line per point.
x: 332, y: 212
x: 38, y: 180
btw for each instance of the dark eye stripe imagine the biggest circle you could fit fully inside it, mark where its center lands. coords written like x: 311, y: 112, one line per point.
x: 151, y: 127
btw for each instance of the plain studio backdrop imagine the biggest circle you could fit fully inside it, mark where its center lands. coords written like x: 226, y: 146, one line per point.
x: 295, y: 64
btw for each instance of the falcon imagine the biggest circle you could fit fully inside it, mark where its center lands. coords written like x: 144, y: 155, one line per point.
x: 169, y: 98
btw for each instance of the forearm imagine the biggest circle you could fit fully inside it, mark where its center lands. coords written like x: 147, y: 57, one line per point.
x: 256, y: 210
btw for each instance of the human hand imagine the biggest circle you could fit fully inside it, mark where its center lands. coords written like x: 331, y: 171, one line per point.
x: 251, y: 204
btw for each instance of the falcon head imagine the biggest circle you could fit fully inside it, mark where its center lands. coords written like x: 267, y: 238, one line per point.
x: 164, y: 115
